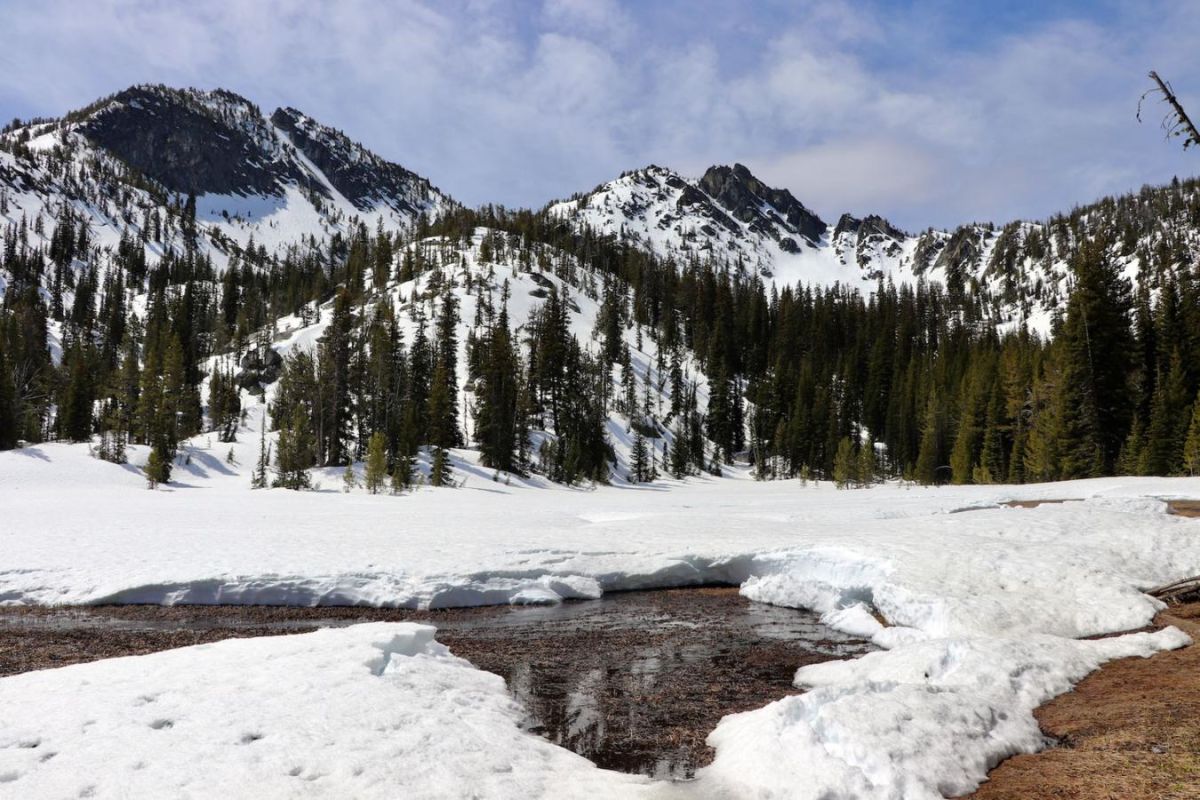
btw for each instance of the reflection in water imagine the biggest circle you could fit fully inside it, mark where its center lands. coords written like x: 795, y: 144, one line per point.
x: 634, y: 681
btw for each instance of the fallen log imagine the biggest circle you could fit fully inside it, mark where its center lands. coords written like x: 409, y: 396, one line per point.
x: 1176, y: 589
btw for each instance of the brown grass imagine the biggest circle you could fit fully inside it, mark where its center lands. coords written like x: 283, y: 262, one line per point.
x: 1184, y: 508
x: 1131, y: 730
x: 1033, y: 503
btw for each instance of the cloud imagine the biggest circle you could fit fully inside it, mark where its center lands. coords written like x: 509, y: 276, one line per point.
x: 861, y: 175
x: 599, y: 17
x: 937, y: 116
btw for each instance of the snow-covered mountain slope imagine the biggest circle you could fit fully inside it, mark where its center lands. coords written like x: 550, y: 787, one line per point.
x: 131, y: 165
x: 477, y: 273
x: 727, y: 215
x: 1017, y: 274
x: 125, y: 167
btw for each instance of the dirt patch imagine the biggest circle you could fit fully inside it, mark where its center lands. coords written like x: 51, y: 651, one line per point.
x: 634, y: 681
x: 1184, y: 508
x: 1033, y: 503
x: 1129, y: 730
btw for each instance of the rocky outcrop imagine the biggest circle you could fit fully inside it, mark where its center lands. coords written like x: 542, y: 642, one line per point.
x: 192, y: 142
x: 363, y: 177
x: 773, y: 212
x: 260, y: 367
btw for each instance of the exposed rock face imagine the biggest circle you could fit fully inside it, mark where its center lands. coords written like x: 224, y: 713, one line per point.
x: 728, y: 213
x: 871, y: 225
x: 259, y: 368
x: 216, y: 142
x: 360, y: 175
x: 764, y: 208
x: 192, y: 142
x: 869, y: 242
x: 961, y: 255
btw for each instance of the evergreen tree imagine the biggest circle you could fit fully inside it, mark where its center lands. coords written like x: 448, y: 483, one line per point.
x: 439, y: 473
x: 444, y: 428
x: 1095, y: 347
x: 402, y: 473
x: 334, y: 409
x: 224, y: 405
x: 868, y: 465
x: 1191, y: 445
x: 639, y: 455
x: 932, y: 454
x: 680, y: 466
x: 1041, y: 455
x: 1161, y: 451
x: 157, y: 469
x: 376, y: 474
x: 496, y: 423
x: 9, y: 421
x: 259, y: 479
x: 294, y: 452
x: 845, y: 465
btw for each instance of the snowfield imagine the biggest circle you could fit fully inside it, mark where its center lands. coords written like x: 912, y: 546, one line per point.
x: 367, y: 711
x: 985, y: 606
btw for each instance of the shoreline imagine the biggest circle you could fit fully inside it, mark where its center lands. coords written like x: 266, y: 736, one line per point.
x: 1130, y: 729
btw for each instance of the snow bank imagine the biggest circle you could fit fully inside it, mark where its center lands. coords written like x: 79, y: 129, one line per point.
x: 981, y: 611
x: 375, y: 710
x: 926, y: 720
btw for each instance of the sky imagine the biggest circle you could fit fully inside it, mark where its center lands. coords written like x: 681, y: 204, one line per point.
x: 928, y: 112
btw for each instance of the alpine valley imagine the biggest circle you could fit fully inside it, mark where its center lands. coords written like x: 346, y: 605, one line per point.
x: 245, y: 362
x: 169, y: 254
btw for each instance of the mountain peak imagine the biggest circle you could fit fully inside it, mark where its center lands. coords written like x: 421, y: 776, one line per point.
x: 217, y: 142
x: 190, y: 141
x: 762, y: 207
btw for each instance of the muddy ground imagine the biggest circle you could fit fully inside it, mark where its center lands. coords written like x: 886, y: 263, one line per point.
x: 634, y: 681
x: 637, y: 680
x: 1130, y: 730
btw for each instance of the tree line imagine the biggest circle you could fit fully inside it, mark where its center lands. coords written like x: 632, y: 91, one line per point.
x: 915, y: 381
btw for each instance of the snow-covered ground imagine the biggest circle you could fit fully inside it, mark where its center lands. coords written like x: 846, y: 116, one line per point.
x: 984, y: 610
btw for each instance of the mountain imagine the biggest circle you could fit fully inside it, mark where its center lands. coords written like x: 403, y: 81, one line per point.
x: 733, y: 218
x: 160, y: 238
x: 149, y: 155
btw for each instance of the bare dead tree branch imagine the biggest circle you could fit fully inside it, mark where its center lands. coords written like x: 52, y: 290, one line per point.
x: 1176, y: 122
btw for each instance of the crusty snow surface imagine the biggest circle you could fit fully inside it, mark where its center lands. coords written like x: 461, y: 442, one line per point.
x: 985, y: 606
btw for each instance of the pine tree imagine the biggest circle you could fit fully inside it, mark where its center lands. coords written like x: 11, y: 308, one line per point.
x: 75, y: 408
x: 1162, y: 448
x: 294, y: 452
x: 1041, y: 455
x: 259, y: 479
x: 868, y: 465
x: 334, y: 409
x: 496, y: 425
x: 1095, y: 348
x: 932, y: 453
x: 157, y: 469
x: 991, y: 467
x: 1191, y: 445
x: 402, y: 473
x: 444, y: 428
x: 680, y: 467
x: 969, y: 440
x: 439, y: 473
x: 845, y: 465
x: 224, y: 405
x: 639, y: 466
x: 376, y: 473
